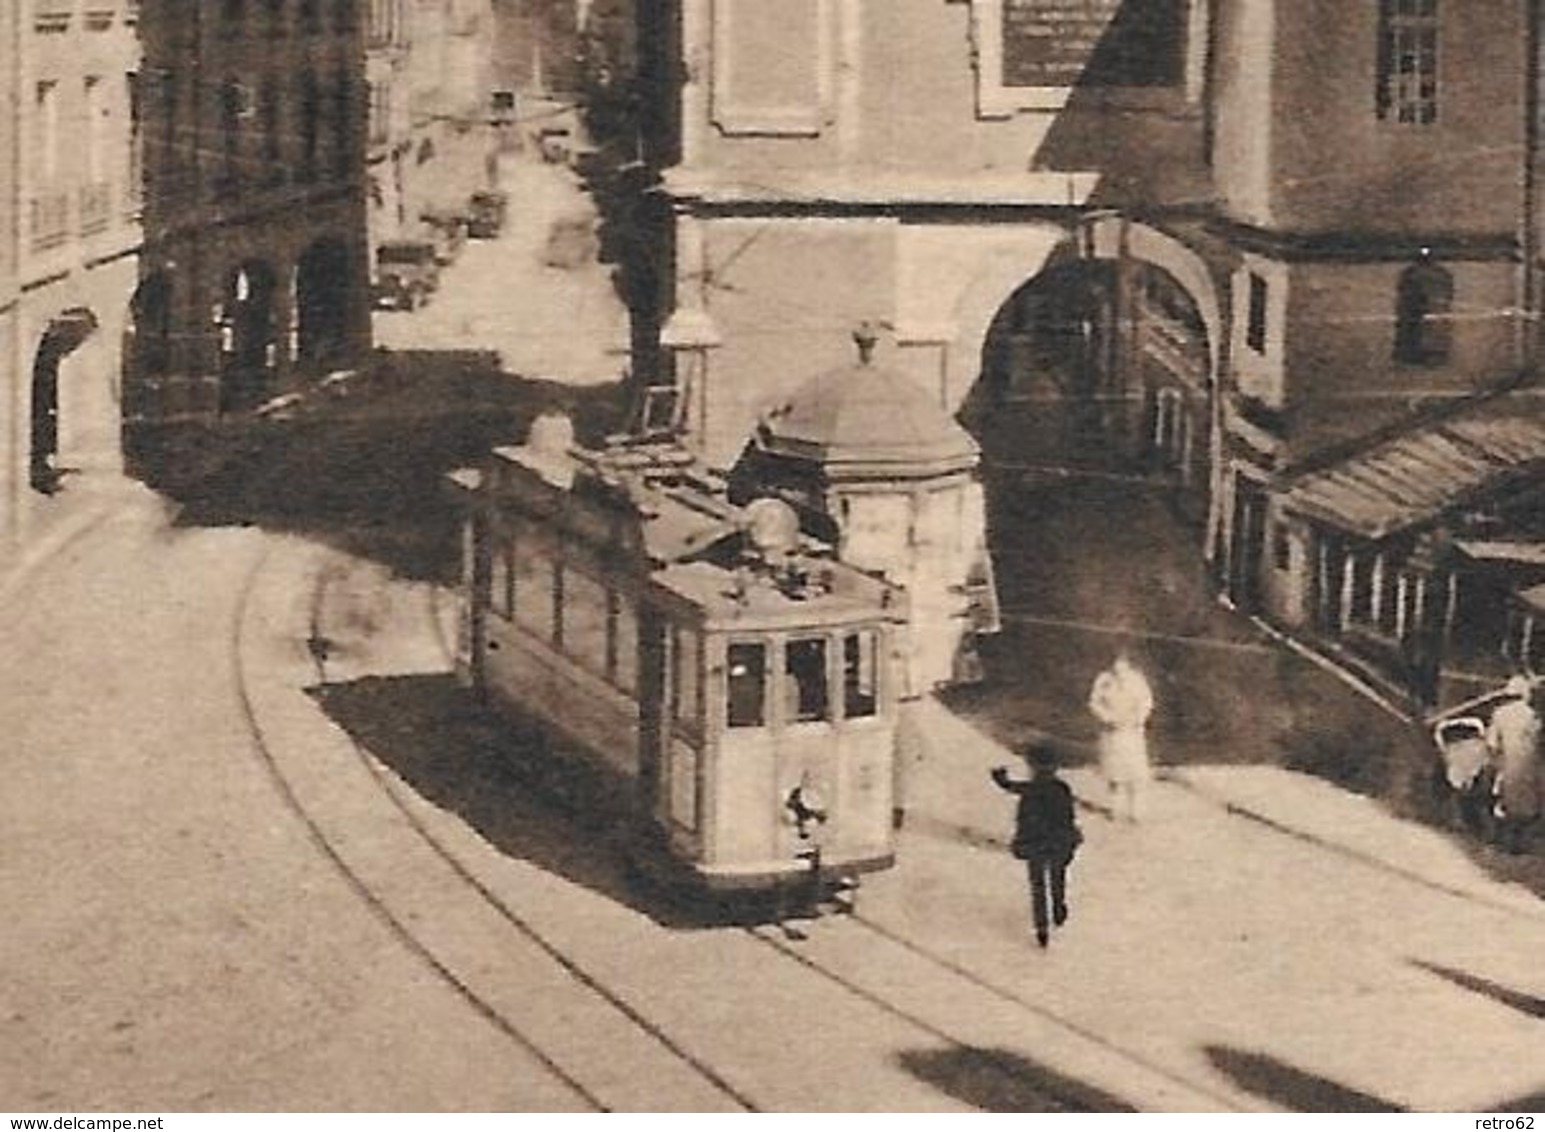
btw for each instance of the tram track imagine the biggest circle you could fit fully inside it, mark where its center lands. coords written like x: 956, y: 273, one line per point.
x: 401, y: 926
x: 827, y: 959
x: 361, y: 889
x: 519, y: 923
x: 1068, y: 1099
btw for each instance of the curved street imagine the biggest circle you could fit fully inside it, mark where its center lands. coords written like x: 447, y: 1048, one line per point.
x: 259, y: 864
x: 257, y: 855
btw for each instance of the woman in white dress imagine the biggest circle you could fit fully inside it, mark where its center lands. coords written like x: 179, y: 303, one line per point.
x: 1122, y: 701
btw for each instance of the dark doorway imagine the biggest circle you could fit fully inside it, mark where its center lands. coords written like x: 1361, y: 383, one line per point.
x: 323, y: 296
x: 1048, y: 369
x: 149, y: 347
x: 1247, y: 545
x: 63, y: 336
x: 248, y: 347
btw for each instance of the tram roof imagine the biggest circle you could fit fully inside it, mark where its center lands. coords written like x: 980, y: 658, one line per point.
x: 624, y: 502
x: 754, y: 600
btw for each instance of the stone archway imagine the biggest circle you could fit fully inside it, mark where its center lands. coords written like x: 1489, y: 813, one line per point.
x: 1109, y: 247
x: 248, y: 338
x: 147, y: 341
x: 49, y: 458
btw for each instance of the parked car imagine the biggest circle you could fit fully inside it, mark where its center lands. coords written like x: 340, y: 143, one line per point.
x: 448, y: 231
x: 571, y: 241
x: 554, y: 142
x: 407, y: 273
x: 487, y: 213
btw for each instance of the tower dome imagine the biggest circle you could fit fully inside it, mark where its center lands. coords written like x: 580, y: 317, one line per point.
x: 861, y: 421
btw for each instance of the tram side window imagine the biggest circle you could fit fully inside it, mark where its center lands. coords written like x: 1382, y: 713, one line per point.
x: 688, y: 663
x: 622, y: 643
x: 746, y: 687
x: 860, y: 680
x: 536, y: 581
x: 585, y: 615
x: 805, y: 685
x: 501, y: 581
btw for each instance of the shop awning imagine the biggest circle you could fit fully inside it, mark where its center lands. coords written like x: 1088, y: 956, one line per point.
x: 1415, y: 476
x: 1533, y: 599
x: 1510, y: 551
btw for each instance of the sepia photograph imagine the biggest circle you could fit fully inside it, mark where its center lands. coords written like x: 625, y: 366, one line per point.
x: 771, y: 556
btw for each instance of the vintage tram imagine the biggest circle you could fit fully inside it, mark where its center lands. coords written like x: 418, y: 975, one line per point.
x: 731, y: 685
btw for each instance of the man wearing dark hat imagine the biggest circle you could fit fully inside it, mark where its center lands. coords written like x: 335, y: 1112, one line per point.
x: 1046, y: 835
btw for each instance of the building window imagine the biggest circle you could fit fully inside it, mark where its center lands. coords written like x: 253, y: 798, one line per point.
x: 231, y: 99
x: 232, y: 14
x: 46, y: 123
x: 344, y: 17
x: 275, y: 17
x: 98, y: 119
x: 1408, y: 61
x: 310, y: 17
x: 1255, y: 323
x: 343, y: 125
x: 310, y: 126
x: 171, y: 166
x: 1424, y: 299
x: 134, y: 94
x: 273, y: 138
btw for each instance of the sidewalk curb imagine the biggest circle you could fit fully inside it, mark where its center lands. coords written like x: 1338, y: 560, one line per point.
x: 35, y: 553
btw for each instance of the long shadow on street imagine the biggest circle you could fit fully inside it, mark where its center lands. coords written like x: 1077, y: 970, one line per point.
x: 994, y: 1080
x: 360, y: 465
x: 1294, y: 1089
x: 492, y: 773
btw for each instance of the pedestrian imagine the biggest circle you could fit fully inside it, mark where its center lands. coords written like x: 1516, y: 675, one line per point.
x: 1514, y: 738
x: 1046, y: 836
x: 1122, y: 701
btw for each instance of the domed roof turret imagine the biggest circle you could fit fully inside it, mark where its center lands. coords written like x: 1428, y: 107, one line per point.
x: 862, y: 421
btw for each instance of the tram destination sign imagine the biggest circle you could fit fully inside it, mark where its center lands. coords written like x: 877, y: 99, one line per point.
x: 1115, y: 43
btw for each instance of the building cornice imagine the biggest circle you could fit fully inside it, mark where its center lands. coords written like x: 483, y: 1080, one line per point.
x: 1367, y: 247
x: 869, y: 188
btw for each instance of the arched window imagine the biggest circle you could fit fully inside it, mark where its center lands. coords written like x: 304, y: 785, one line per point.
x: 233, y: 14
x: 343, y: 124
x: 1423, y: 304
x: 310, y: 125
x: 273, y: 137
x: 233, y: 98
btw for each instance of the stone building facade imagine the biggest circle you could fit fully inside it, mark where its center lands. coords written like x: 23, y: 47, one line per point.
x: 69, y: 238
x: 431, y: 137
x: 449, y: 76
x: 254, y: 277
x: 1234, y: 244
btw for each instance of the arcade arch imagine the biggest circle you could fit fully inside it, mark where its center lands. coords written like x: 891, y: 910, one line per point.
x: 248, y: 337
x: 60, y: 402
x: 323, y: 299
x: 1115, y: 343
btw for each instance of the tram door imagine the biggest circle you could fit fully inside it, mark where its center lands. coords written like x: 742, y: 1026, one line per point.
x: 654, y: 705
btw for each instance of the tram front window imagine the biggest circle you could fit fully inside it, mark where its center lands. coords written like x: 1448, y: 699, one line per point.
x: 746, y: 688
x: 805, y: 669
x: 859, y: 677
